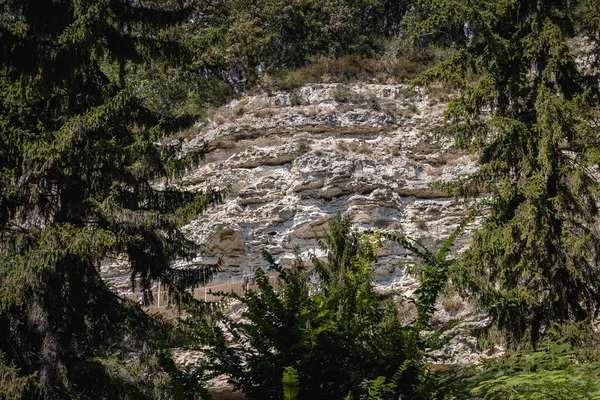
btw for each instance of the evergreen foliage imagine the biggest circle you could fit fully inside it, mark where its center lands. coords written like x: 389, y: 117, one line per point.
x: 82, y: 178
x: 235, y: 38
x: 529, y: 114
x: 92, y: 92
x: 433, y: 268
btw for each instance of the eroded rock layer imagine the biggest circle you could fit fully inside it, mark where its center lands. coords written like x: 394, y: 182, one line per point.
x: 293, y: 160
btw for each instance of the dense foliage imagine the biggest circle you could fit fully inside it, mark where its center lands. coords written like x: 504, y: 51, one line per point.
x: 530, y: 114
x: 334, y: 329
x: 565, y: 366
x: 243, y: 35
x: 237, y: 43
x: 550, y: 373
x: 93, y: 92
x: 82, y: 178
x: 338, y: 334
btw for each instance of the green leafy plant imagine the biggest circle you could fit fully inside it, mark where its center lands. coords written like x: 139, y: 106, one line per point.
x: 548, y: 374
x: 329, y: 325
x: 291, y: 384
x: 564, y: 365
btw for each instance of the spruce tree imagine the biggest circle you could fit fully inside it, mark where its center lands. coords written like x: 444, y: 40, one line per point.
x: 528, y: 111
x: 85, y: 172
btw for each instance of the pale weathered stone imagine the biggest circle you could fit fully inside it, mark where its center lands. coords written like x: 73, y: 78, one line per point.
x: 292, y: 167
x: 373, y: 157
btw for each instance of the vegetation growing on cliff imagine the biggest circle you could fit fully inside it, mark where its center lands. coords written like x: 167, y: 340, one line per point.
x: 329, y: 324
x: 92, y: 92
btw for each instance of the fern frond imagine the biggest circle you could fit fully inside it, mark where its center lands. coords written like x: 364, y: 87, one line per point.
x: 291, y: 384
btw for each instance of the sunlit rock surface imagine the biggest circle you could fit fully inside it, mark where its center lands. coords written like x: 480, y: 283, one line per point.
x: 294, y: 160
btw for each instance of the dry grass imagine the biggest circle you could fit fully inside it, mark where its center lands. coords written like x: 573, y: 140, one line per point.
x: 219, y: 119
x: 372, y: 101
x: 453, y: 305
x: 341, y: 145
x: 381, y: 223
x: 343, y: 94
x: 420, y: 224
x: 460, y: 160
x: 260, y: 108
x: 309, y: 112
x: 447, y: 159
x: 265, y: 112
x: 346, y: 130
x: 240, y: 108
x: 412, y: 164
x: 356, y: 146
x: 296, y: 99
x: 230, y: 113
x: 185, y: 134
x: 439, y: 91
x: 267, y: 83
x: 432, y: 171
x: 395, y: 149
x: 347, y: 69
x: 344, y: 107
x: 391, y: 108
x: 410, y: 110
x: 437, y: 130
x: 359, y: 147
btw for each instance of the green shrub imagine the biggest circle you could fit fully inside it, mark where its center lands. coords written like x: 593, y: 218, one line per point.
x: 332, y: 328
x: 341, y: 94
x: 291, y: 384
x: 292, y: 80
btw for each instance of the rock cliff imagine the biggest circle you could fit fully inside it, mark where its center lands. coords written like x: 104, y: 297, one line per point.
x: 295, y: 159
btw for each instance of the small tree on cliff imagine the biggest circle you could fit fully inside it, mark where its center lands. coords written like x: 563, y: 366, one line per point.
x: 78, y: 166
x: 529, y: 113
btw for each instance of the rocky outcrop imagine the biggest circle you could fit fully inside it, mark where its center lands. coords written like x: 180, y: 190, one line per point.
x: 293, y: 160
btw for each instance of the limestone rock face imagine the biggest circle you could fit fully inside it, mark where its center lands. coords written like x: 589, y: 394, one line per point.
x: 293, y: 160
